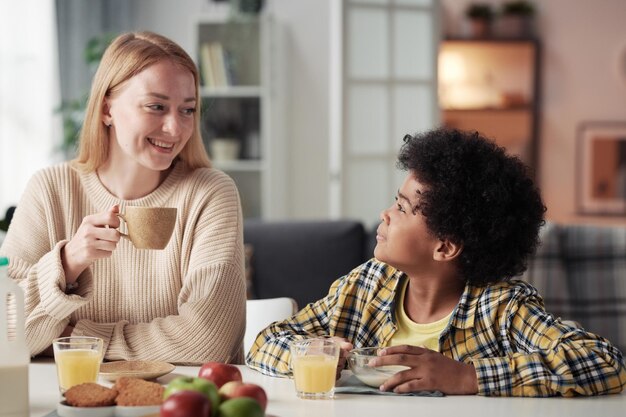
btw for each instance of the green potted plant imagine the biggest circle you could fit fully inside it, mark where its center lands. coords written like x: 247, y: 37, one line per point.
x: 517, y: 19
x: 73, y: 111
x: 223, y: 130
x: 480, y: 17
x: 519, y: 8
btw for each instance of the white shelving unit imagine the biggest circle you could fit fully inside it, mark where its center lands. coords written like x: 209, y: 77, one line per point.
x: 245, y: 104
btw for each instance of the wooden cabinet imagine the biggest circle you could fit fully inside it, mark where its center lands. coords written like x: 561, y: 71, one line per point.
x: 492, y: 86
x: 240, y: 62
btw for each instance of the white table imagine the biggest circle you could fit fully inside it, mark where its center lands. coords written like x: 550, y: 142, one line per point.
x: 283, y: 402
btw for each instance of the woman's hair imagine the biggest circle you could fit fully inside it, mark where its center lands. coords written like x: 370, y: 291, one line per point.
x: 477, y: 196
x: 128, y: 55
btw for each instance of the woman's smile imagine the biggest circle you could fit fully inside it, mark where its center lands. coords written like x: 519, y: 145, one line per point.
x: 161, y: 146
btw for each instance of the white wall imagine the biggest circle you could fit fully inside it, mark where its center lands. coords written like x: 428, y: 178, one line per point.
x: 306, y: 27
x: 581, y: 42
x: 308, y: 130
x: 30, y: 132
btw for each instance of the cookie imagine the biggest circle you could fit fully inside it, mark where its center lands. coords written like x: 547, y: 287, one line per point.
x: 135, y: 391
x: 90, y: 394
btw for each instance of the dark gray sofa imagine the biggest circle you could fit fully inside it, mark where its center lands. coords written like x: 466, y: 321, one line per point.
x: 301, y: 259
x: 579, y: 270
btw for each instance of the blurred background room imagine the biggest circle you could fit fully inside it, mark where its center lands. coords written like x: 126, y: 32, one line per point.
x: 306, y: 102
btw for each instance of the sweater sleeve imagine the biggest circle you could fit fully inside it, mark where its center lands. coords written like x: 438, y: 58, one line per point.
x: 270, y: 353
x: 356, y: 308
x: 210, y: 322
x: 33, y: 249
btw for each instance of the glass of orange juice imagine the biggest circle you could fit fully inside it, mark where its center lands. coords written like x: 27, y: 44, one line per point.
x: 314, y: 366
x: 78, y: 360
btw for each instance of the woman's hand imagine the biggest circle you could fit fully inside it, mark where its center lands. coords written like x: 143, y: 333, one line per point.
x: 344, y: 348
x: 429, y: 371
x: 96, y: 238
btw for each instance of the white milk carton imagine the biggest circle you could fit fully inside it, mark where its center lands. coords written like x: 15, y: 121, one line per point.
x: 14, y: 354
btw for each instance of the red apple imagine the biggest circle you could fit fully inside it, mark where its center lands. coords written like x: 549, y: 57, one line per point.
x: 189, y: 383
x: 234, y: 389
x: 186, y: 404
x: 219, y: 373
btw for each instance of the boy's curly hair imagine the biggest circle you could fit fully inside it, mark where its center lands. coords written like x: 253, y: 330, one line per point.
x: 478, y: 196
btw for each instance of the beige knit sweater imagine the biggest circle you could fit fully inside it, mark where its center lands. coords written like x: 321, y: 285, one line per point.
x: 183, y: 304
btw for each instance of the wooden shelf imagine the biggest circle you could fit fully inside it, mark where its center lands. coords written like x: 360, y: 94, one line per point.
x: 492, y: 40
x: 490, y: 109
x: 488, y: 72
x: 240, y: 165
x: 232, y: 91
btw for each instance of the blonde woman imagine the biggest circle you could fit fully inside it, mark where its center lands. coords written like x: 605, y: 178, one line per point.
x: 140, y: 146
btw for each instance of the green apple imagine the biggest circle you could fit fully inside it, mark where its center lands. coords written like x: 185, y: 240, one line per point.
x: 190, y: 383
x: 240, y: 407
x: 236, y: 389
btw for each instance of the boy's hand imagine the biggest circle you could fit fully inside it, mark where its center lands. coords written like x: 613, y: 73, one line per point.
x: 430, y: 371
x: 344, y: 347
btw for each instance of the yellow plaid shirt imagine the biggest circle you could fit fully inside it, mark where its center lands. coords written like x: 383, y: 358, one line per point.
x: 503, y: 330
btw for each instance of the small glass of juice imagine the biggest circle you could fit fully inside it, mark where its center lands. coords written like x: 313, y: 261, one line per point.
x: 314, y: 366
x: 78, y: 360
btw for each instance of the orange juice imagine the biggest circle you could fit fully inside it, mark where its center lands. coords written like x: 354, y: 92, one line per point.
x: 314, y: 373
x: 75, y: 366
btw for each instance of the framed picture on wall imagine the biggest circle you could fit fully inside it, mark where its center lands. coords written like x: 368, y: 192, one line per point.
x: 601, y: 182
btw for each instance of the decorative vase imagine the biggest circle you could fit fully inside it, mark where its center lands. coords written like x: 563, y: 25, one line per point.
x: 479, y: 28
x: 248, y: 7
x: 516, y: 26
x: 225, y: 149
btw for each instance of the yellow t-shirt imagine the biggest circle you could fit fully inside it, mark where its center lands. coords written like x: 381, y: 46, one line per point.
x: 416, y: 334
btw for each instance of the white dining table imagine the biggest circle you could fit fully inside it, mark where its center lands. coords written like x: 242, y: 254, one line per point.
x: 44, y: 397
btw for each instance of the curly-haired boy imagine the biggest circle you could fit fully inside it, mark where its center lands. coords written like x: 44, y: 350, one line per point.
x: 440, y: 295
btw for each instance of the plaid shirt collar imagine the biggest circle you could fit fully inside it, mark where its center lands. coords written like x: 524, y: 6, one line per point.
x: 463, y: 317
x: 464, y: 313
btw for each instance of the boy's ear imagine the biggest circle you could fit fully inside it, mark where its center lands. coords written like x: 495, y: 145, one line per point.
x: 447, y: 250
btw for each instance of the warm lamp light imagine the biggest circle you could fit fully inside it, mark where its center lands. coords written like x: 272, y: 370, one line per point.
x: 457, y: 90
x: 451, y: 68
x: 452, y: 78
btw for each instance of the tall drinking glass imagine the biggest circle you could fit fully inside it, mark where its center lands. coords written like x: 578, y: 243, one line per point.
x: 314, y: 365
x: 77, y: 359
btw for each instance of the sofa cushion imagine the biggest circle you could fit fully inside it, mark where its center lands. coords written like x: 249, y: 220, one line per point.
x: 301, y: 259
x: 370, y: 243
x: 595, y: 259
x: 547, y: 272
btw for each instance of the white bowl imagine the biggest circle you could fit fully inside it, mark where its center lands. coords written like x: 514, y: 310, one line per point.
x: 358, y: 360
x: 64, y: 410
x: 137, y: 411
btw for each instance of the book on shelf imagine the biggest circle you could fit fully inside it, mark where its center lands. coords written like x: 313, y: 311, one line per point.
x: 217, y: 59
x: 216, y: 65
x: 206, y: 68
x: 229, y: 66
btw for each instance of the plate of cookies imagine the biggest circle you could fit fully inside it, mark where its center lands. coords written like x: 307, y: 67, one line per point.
x: 128, y: 397
x: 112, y: 371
